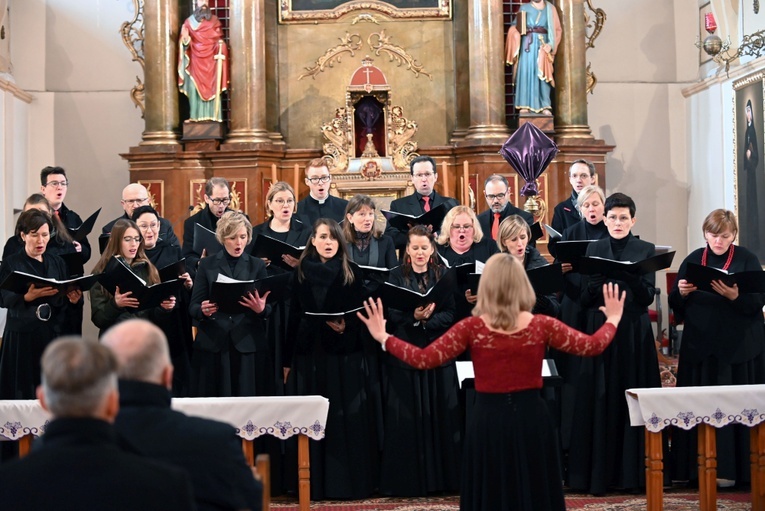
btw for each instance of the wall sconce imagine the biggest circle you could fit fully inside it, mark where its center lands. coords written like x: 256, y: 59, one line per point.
x: 720, y: 51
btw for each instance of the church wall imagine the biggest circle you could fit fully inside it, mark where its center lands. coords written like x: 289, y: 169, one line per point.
x: 305, y: 104
x: 70, y: 56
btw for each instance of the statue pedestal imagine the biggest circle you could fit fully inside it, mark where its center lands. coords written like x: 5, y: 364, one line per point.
x: 202, y: 130
x: 543, y: 122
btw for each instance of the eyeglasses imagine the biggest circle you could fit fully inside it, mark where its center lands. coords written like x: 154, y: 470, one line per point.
x: 618, y: 219
x: 282, y: 202
x: 135, y: 202
x: 465, y: 227
x: 320, y: 179
x: 426, y: 175
x: 224, y: 201
x: 57, y: 184
x: 494, y: 197
x: 132, y: 239
x: 153, y: 226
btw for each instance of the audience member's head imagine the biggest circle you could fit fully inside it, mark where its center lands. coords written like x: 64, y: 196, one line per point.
x: 79, y: 380
x: 141, y: 350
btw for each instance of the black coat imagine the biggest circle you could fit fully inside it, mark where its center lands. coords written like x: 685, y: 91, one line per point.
x: 81, y: 464
x: 411, y: 205
x: 565, y: 215
x: 309, y: 210
x: 486, y: 219
x: 729, y: 330
x: 297, y: 236
x: 247, y: 331
x: 210, y: 451
x: 386, y: 253
x: 206, y: 220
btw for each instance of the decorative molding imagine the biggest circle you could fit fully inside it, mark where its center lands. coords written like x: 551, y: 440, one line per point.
x: 132, y: 38
x: 156, y: 190
x: 720, y: 77
x: 400, y: 133
x: 443, y: 11
x: 348, y: 44
x: 592, y: 27
x: 396, y: 54
x: 592, y: 80
x: 365, y: 16
x: 12, y: 88
x: 338, y: 132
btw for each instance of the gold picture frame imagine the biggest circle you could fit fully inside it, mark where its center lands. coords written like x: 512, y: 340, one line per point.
x: 312, y: 11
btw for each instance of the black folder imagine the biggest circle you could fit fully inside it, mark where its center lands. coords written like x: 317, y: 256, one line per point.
x: 227, y: 293
x: 405, y: 299
x: 81, y: 232
x: 571, y: 251
x: 103, y: 240
x: 702, y: 276
x: 546, y: 280
x: 119, y: 274
x: 172, y: 271
x: 204, y: 239
x: 273, y: 249
x: 599, y: 265
x: 373, y: 272
x: 19, y: 282
x: 75, y: 266
x: 552, y: 233
x: 536, y: 232
x: 402, y: 221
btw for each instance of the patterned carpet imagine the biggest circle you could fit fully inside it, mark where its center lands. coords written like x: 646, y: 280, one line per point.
x: 673, y: 501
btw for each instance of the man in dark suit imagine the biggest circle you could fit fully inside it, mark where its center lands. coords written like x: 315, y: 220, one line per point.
x: 54, y: 185
x: 580, y: 174
x: 424, y: 198
x: 319, y: 203
x: 217, y: 198
x: 80, y: 462
x: 209, y: 450
x: 496, y: 189
x: 134, y: 195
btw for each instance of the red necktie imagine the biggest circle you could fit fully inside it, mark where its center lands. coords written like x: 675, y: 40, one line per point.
x: 55, y: 212
x: 495, y: 227
x: 426, y: 207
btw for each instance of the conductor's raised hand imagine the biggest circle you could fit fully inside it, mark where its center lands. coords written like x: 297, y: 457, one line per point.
x: 374, y: 319
x: 255, y: 302
x: 614, y: 303
x: 125, y: 300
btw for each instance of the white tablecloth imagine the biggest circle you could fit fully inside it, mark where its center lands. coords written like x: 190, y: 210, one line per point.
x: 252, y: 417
x: 687, y: 407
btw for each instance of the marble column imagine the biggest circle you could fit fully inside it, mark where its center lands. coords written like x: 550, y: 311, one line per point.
x: 571, y: 74
x: 486, y: 43
x: 161, y: 116
x: 247, y: 37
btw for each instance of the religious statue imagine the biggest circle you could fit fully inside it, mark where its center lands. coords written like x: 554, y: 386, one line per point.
x: 530, y: 48
x: 203, y: 63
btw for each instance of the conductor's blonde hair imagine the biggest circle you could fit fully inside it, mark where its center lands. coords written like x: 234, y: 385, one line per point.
x: 504, y: 291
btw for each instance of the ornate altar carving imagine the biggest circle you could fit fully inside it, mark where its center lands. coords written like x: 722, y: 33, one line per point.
x: 302, y: 11
x: 368, y: 129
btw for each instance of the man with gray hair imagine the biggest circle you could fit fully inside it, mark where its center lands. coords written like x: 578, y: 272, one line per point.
x: 209, y: 450
x: 79, y: 462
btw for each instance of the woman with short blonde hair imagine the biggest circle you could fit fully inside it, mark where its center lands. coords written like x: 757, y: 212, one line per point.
x: 230, y: 223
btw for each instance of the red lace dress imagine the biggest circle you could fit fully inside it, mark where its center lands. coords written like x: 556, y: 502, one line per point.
x: 511, y: 458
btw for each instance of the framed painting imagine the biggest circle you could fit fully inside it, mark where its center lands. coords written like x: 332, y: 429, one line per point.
x: 749, y: 179
x: 311, y: 11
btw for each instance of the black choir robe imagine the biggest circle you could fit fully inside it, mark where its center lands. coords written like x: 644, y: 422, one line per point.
x: 309, y: 209
x: 565, y: 214
x: 207, y: 220
x: 413, y: 205
x: 486, y: 219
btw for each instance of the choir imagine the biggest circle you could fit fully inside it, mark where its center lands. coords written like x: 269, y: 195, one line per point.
x: 393, y: 428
